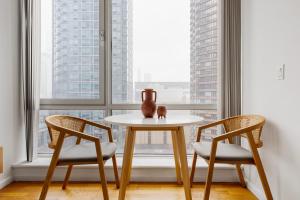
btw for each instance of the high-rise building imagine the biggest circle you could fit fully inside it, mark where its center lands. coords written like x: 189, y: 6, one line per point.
x: 204, y: 55
x: 75, y: 49
x: 122, y: 75
x: 204, y: 51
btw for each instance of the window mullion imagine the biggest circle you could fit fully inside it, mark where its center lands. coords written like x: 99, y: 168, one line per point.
x: 108, y: 53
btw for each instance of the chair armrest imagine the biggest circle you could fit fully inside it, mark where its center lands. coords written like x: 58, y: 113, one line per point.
x: 200, y: 128
x: 216, y: 123
x: 97, y: 125
x: 235, y: 133
x: 228, y: 135
x: 101, y: 126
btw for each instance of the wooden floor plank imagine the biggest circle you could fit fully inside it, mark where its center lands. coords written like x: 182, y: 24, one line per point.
x: 135, y: 191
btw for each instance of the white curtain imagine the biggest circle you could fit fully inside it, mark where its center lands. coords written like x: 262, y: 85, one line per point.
x: 29, y: 56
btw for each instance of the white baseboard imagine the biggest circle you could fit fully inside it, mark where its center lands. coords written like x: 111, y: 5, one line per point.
x: 5, y: 181
x: 255, y: 190
x: 91, y: 173
x: 143, y: 171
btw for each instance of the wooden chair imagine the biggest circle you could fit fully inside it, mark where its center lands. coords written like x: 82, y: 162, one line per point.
x: 249, y: 126
x: 94, y: 152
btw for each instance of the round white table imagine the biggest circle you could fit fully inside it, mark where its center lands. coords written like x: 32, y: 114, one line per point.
x: 173, y: 123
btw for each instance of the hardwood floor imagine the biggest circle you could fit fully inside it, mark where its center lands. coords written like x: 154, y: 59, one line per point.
x: 135, y: 191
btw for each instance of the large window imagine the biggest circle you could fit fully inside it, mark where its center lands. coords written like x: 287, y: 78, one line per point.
x: 97, y: 56
x: 72, y: 51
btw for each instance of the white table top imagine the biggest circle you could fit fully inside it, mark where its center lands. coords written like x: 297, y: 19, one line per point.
x: 138, y: 120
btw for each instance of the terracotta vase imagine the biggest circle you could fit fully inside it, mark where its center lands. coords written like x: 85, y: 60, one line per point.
x: 149, y: 105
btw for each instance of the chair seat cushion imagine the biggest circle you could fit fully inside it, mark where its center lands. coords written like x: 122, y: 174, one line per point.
x: 225, y: 152
x: 86, y: 152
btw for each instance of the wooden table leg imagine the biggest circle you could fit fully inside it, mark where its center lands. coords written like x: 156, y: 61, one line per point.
x: 129, y: 144
x: 131, y: 157
x: 183, y: 161
x: 176, y: 157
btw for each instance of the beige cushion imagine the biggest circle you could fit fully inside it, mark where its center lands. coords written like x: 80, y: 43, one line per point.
x: 226, y: 152
x: 86, y: 152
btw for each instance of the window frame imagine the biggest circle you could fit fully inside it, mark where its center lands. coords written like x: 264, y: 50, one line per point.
x: 47, y: 102
x: 105, y: 77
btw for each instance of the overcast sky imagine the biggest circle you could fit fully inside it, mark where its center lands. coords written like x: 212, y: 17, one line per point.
x: 161, y: 39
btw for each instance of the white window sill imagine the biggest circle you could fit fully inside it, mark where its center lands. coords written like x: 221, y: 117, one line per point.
x: 137, y: 162
x: 144, y: 169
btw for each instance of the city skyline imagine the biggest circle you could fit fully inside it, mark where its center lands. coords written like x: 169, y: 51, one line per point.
x: 75, y: 62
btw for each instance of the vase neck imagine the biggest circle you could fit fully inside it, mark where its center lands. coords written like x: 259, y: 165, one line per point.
x: 149, y: 95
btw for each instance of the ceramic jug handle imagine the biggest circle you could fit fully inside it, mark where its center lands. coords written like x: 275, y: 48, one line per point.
x: 155, y: 94
x: 143, y: 95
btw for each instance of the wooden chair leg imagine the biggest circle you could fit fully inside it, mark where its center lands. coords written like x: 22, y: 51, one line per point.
x: 114, y: 160
x: 264, y: 180
x: 176, y: 157
x: 208, y: 180
x: 52, y: 166
x: 193, y: 169
x: 101, y: 171
x: 262, y: 175
x: 259, y: 167
x: 48, y: 180
x: 210, y: 171
x: 69, y: 170
x: 240, y: 174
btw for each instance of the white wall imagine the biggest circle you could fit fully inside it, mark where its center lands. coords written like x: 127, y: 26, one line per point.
x: 271, y: 36
x: 11, y: 134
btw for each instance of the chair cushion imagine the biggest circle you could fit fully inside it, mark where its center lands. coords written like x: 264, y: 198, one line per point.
x: 226, y: 152
x: 86, y: 152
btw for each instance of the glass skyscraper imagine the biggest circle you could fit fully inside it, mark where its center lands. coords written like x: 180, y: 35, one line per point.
x: 75, y: 49
x: 204, y: 51
x: 122, y: 75
x: 204, y: 56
